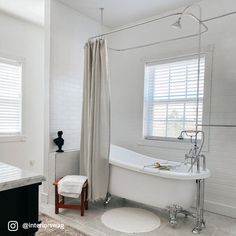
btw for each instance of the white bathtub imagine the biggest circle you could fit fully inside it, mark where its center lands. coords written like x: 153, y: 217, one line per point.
x: 130, y: 179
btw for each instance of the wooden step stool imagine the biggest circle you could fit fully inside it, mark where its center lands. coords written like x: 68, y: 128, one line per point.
x: 60, y: 200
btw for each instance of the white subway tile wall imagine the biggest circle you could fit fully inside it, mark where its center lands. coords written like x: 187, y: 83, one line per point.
x: 66, y: 82
x: 127, y: 72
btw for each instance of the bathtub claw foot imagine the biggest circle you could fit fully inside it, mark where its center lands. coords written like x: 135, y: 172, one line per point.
x: 107, y: 199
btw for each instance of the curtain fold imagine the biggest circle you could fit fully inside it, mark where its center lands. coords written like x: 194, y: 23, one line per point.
x: 95, y: 131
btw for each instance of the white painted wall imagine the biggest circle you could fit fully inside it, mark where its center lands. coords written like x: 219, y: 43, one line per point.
x: 127, y: 78
x: 69, y: 32
x: 66, y: 33
x: 21, y: 39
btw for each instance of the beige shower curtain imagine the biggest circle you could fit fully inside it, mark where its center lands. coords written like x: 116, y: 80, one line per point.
x: 95, y: 132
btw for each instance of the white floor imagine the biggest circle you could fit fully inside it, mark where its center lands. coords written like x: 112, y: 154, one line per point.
x: 91, y: 224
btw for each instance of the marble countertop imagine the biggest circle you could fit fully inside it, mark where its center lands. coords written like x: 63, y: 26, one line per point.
x: 14, y: 177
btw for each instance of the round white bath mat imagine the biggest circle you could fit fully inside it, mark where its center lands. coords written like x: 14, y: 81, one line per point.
x: 130, y: 220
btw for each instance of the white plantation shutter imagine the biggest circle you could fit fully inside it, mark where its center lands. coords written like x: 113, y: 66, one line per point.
x: 10, y: 97
x: 171, y: 97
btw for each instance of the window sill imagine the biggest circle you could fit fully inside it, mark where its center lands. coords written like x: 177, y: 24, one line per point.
x: 166, y: 144
x: 13, y: 138
x: 170, y: 144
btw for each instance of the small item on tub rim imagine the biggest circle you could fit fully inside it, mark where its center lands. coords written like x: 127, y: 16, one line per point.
x: 159, y: 166
x: 156, y: 165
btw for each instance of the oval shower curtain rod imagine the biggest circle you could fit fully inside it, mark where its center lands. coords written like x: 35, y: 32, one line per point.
x: 157, y: 19
x: 141, y: 23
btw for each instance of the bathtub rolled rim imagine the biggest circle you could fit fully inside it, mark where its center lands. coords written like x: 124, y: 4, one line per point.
x: 163, y: 173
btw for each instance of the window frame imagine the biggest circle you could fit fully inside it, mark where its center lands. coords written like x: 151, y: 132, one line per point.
x: 169, y: 142
x: 16, y: 137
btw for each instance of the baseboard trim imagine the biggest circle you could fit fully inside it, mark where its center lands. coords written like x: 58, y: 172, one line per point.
x: 220, y: 208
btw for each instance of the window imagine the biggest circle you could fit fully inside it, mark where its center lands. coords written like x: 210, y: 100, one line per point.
x: 170, y: 97
x: 10, y: 97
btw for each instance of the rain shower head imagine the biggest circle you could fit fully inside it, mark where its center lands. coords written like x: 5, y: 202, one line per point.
x: 177, y: 24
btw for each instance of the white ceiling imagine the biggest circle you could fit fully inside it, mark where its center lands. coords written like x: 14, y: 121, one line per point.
x: 121, y: 12
x: 31, y: 10
x: 116, y: 12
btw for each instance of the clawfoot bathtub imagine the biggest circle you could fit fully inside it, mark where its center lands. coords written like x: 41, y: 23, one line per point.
x: 131, y: 177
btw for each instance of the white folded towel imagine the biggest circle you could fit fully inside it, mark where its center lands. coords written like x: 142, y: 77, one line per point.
x: 71, y: 185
